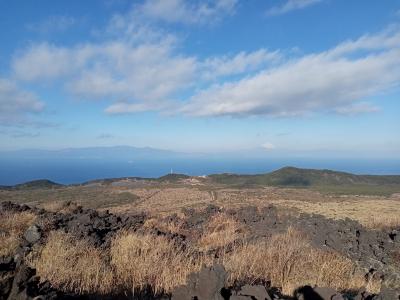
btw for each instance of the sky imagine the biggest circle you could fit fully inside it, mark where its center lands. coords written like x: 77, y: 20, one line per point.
x: 280, y: 76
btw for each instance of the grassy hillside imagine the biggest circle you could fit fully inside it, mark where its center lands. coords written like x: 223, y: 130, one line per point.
x: 173, y: 177
x: 323, y: 180
x: 35, y: 184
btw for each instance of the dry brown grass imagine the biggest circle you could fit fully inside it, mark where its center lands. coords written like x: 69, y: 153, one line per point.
x: 372, y: 213
x: 288, y: 260
x: 73, y: 265
x: 59, y: 206
x: 134, y: 262
x: 383, y: 222
x: 138, y: 261
x: 12, y: 227
x: 155, y: 261
x: 165, y: 201
x: 222, y: 230
x: 166, y: 225
x: 53, y: 206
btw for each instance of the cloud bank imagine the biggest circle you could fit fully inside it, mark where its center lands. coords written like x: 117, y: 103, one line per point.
x: 139, y: 67
x: 326, y: 81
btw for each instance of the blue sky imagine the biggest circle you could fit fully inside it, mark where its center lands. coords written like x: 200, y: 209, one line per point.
x: 288, y: 77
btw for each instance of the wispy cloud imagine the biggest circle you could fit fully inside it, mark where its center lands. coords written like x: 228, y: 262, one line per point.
x: 127, y: 107
x: 243, y: 62
x: 324, y: 81
x: 188, y: 12
x: 137, y: 75
x: 357, y: 108
x: 59, y: 61
x: 115, y: 69
x: 16, y: 104
x: 52, y: 24
x: 139, y: 68
x: 291, y: 5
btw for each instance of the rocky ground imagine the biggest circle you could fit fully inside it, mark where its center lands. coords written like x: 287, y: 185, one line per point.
x: 376, y: 252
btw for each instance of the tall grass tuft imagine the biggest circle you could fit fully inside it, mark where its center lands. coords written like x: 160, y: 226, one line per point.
x: 221, y: 231
x: 146, y: 260
x: 288, y: 261
x: 73, y: 265
x: 12, y: 227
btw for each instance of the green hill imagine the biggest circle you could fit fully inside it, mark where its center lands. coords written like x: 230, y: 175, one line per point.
x: 35, y: 184
x: 173, y: 177
x: 324, y: 180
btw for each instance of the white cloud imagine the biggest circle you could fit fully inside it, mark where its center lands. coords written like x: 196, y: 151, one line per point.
x: 16, y: 104
x: 140, y: 69
x: 142, y: 22
x: 118, y: 70
x: 189, y: 12
x: 43, y: 61
x: 389, y: 38
x: 135, y: 27
x: 357, y: 108
x: 52, y: 24
x: 136, y: 75
x: 291, y: 5
x: 144, y: 72
x: 242, y: 62
x: 268, y: 146
x: 318, y: 82
x: 129, y: 107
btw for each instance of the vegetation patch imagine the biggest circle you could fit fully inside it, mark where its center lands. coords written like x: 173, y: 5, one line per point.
x: 288, y: 261
x: 72, y: 265
x: 12, y: 227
